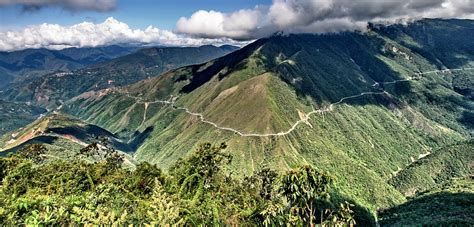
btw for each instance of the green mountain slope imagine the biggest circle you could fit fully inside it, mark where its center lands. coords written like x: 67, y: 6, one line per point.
x: 390, y: 102
x: 447, y: 205
x: 436, y: 169
x: 52, y: 89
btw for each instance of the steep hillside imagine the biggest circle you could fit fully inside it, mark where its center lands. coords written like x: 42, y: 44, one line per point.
x: 52, y: 89
x: 436, y: 169
x: 18, y: 65
x: 16, y: 115
x: 447, y: 205
x: 358, y: 106
x: 58, y: 127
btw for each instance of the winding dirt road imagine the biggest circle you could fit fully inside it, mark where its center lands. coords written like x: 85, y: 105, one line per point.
x: 328, y: 108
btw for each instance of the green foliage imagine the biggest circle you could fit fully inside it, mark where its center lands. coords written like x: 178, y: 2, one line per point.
x: 303, y: 200
x: 33, y: 152
x: 196, y: 191
x: 436, y: 169
x: 448, y: 205
x: 302, y: 188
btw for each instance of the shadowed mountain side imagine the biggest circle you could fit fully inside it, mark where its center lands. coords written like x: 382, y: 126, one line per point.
x: 441, y: 208
x: 436, y: 40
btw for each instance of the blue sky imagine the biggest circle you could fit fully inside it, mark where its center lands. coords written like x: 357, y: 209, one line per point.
x: 199, y: 22
x: 136, y: 13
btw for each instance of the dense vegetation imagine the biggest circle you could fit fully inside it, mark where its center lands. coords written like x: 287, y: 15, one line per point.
x: 197, y: 190
x: 451, y: 204
x: 436, y: 169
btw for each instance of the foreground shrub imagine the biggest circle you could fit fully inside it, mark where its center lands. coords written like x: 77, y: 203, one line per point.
x: 196, y: 191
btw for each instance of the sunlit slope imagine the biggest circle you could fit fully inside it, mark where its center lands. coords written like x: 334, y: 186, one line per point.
x: 271, y: 102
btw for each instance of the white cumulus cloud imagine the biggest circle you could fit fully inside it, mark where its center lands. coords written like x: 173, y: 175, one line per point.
x: 212, y: 24
x: 87, y: 34
x: 317, y: 16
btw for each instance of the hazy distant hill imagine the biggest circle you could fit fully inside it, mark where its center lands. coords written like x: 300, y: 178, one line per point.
x: 18, y: 65
x: 15, y: 115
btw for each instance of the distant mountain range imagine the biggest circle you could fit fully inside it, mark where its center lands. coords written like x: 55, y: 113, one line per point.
x: 375, y: 110
x: 18, y: 65
x: 51, y: 89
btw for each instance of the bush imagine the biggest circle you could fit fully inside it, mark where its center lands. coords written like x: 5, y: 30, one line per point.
x: 196, y: 191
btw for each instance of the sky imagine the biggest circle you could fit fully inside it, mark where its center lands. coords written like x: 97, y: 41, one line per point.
x: 136, y: 13
x: 58, y: 24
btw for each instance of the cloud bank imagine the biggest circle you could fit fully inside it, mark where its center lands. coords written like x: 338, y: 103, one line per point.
x: 237, y: 28
x: 71, y: 5
x: 316, y: 16
x: 86, y: 34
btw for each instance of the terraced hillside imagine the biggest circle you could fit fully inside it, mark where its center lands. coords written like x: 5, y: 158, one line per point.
x: 52, y: 89
x: 360, y: 106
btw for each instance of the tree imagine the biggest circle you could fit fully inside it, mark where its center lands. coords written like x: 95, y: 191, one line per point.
x: 201, y: 168
x: 302, y: 188
x: 34, y: 152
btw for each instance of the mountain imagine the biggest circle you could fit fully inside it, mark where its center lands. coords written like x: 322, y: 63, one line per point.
x: 17, y: 115
x: 52, y: 89
x: 59, y: 127
x: 18, y: 65
x: 362, y: 107
x: 436, y: 168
